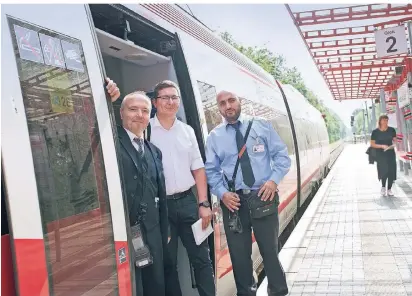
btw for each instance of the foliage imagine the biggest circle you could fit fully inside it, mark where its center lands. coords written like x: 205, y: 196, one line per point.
x: 360, y: 115
x: 276, y: 66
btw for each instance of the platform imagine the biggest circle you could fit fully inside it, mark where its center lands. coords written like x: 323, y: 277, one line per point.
x: 351, y: 240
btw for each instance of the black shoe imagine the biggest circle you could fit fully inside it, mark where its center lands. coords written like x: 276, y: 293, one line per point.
x: 283, y: 292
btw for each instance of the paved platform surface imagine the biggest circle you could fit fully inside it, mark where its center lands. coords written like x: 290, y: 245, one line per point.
x: 351, y: 240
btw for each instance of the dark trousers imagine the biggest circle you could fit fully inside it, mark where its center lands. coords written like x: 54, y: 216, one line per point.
x: 183, y: 212
x: 138, y: 281
x: 390, y: 181
x: 386, y: 167
x: 266, y: 232
x: 153, y: 275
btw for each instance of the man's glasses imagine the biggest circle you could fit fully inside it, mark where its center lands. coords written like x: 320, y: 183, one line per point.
x: 167, y: 98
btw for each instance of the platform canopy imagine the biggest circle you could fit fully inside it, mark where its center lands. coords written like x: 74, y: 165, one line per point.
x: 342, y: 44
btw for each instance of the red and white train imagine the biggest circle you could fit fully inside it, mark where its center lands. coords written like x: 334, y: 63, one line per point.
x: 64, y: 229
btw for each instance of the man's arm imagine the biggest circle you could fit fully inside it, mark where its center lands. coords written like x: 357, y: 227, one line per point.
x: 199, y: 174
x: 213, y: 170
x: 201, y: 183
x: 279, y: 155
x: 197, y: 167
x: 215, y: 178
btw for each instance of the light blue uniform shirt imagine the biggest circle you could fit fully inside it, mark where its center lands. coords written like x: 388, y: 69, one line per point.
x: 269, y: 159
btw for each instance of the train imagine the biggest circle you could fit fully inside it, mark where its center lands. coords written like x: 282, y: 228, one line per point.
x: 64, y: 223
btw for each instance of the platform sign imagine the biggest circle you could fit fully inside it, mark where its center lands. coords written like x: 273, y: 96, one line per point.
x: 404, y: 95
x: 60, y: 95
x: 61, y: 102
x: 391, y: 41
x: 392, y: 120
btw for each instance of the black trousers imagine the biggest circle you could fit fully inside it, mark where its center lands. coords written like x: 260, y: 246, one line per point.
x: 386, y: 165
x: 183, y: 212
x: 152, y: 276
x: 138, y: 281
x: 390, y: 181
x: 266, y: 232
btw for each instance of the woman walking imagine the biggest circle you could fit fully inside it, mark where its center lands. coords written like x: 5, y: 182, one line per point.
x: 383, y: 139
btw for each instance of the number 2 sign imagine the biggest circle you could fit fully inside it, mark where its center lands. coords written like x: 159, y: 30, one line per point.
x: 391, y: 41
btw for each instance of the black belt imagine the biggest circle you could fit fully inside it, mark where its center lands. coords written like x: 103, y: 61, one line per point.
x: 180, y: 194
x: 244, y: 191
x: 248, y: 191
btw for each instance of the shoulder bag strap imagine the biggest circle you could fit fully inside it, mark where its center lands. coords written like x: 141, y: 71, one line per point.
x: 240, y: 154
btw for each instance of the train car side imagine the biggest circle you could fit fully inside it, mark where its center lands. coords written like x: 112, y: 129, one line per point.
x: 210, y: 65
x: 213, y: 69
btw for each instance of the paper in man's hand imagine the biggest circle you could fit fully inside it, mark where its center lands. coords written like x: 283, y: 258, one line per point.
x: 200, y: 234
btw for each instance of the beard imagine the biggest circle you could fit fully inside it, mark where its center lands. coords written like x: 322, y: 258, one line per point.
x: 232, y: 116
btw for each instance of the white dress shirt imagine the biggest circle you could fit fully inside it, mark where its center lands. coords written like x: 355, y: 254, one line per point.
x: 180, y: 154
x: 132, y: 136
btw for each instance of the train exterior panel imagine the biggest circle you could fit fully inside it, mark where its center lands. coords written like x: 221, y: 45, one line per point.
x: 62, y: 239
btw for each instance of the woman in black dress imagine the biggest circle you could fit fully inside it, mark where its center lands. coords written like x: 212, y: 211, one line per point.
x: 383, y: 139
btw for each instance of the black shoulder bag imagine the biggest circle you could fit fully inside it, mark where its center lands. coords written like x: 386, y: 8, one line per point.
x: 259, y: 208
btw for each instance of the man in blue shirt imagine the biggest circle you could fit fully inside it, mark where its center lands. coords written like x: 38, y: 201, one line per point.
x: 263, y: 164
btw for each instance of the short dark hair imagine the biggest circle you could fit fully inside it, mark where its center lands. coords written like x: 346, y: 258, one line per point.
x: 164, y: 84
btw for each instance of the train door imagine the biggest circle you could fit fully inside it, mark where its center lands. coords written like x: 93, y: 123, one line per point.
x: 63, y: 192
x: 137, y: 54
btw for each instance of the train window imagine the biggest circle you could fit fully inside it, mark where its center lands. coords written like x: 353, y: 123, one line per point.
x: 300, y: 134
x: 67, y: 158
x: 309, y: 132
x: 250, y: 108
x: 208, y: 95
x: 279, y: 121
x: 282, y: 127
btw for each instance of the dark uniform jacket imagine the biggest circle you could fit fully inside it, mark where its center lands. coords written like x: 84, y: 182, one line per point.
x: 135, y: 184
x: 371, y: 155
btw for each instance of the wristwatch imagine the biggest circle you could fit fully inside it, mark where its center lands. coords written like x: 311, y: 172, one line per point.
x: 205, y: 204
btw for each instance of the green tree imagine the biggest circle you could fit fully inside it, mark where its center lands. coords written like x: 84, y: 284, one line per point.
x: 360, y: 116
x: 276, y: 66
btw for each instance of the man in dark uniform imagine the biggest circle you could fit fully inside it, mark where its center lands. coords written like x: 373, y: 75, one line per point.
x: 144, y: 184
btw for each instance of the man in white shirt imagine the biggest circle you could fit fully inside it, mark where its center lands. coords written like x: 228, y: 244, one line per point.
x: 183, y: 168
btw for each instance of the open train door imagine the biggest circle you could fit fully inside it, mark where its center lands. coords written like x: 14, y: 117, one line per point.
x: 63, y: 190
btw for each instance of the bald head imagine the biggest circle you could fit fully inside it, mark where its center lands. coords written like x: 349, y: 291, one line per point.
x: 137, y: 95
x: 225, y: 94
x: 229, y: 105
